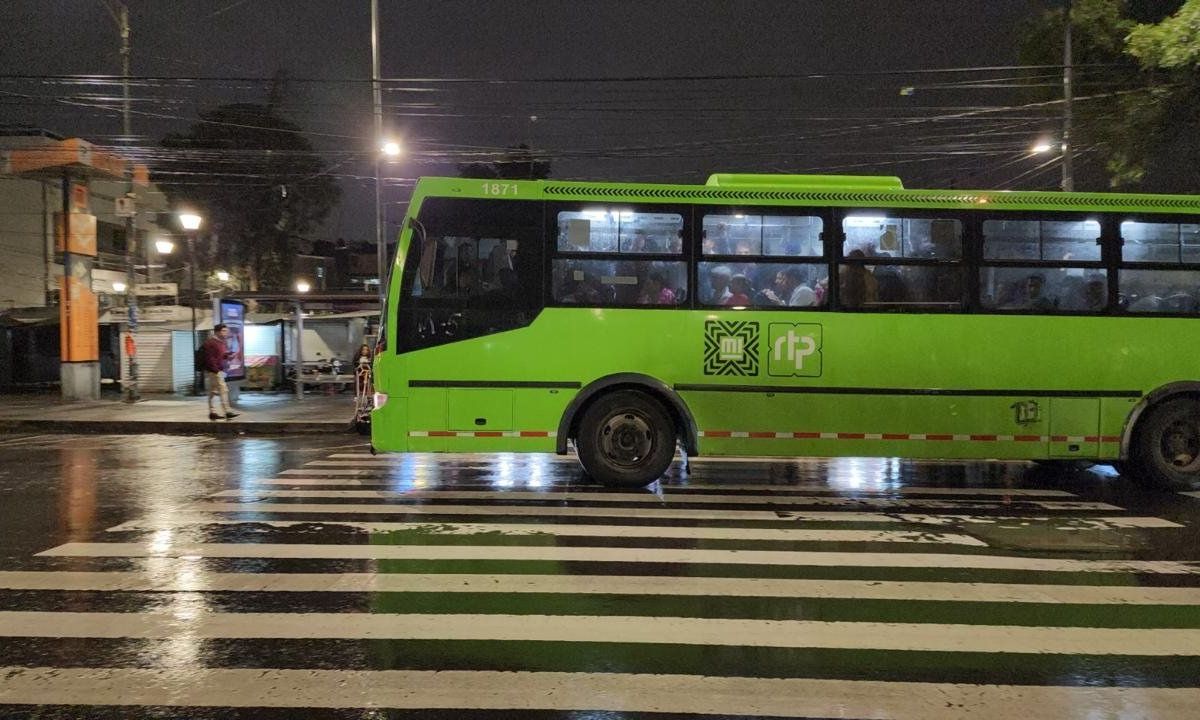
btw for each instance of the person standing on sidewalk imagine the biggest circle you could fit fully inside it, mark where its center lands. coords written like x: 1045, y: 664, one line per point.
x: 216, y: 355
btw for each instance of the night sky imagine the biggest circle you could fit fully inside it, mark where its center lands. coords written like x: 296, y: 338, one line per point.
x: 789, y: 85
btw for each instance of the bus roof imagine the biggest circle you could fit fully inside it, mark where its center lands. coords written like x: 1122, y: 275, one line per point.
x: 866, y: 191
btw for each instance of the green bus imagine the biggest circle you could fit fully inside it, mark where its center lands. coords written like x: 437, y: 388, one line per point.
x: 793, y: 315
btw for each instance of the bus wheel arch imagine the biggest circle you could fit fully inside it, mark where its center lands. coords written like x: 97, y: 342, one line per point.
x: 685, y: 424
x: 1169, y: 415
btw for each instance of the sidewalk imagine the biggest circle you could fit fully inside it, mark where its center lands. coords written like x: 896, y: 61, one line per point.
x: 261, y: 414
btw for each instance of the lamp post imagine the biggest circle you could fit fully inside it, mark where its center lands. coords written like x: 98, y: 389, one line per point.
x: 191, y: 223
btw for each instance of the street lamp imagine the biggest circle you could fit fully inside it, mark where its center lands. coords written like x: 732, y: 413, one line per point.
x: 118, y: 286
x: 303, y: 286
x: 1041, y: 147
x: 164, y: 247
x: 222, y: 276
x: 191, y: 223
x: 388, y: 149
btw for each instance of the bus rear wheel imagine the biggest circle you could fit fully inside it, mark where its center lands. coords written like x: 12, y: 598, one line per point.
x: 1166, y: 448
x: 626, y: 439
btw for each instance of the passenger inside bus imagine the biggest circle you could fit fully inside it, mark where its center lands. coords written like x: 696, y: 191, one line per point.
x: 790, y: 289
x: 740, y: 292
x: 857, y: 287
x: 718, y: 285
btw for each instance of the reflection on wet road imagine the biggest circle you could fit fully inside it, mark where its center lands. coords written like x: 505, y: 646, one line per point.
x: 274, y: 578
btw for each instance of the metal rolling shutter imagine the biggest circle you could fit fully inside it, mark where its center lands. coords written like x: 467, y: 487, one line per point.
x: 154, y: 361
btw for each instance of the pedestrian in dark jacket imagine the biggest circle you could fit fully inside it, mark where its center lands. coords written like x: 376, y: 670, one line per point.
x: 216, y: 355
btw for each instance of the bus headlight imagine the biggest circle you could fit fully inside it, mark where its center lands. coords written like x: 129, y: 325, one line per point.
x: 380, y: 400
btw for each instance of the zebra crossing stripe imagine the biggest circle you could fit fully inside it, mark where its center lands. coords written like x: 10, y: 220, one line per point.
x: 664, y: 499
x: 683, y: 586
x: 611, y: 531
x: 618, y: 554
x: 490, y: 484
x: 575, y: 691
x: 1192, y: 494
x: 654, y: 513
x: 918, y: 637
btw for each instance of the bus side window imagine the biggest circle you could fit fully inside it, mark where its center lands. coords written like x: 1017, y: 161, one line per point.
x: 477, y: 272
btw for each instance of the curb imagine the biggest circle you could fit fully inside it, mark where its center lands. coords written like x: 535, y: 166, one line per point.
x: 144, y: 427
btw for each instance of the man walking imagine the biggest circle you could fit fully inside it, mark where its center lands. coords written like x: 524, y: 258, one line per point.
x: 216, y: 353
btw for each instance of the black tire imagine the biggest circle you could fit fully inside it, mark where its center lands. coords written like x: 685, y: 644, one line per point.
x: 1166, y: 447
x: 626, y: 439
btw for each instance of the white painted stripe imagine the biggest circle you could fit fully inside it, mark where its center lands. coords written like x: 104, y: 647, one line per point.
x: 833, y: 487
x: 595, y: 692
x: 617, y: 554
x: 926, y: 637
x: 180, y: 581
x: 658, y: 499
x: 847, y: 516
x: 873, y: 436
x: 1192, y: 494
x: 962, y: 438
x: 609, y: 531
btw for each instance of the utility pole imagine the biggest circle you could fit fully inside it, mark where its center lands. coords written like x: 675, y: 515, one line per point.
x: 377, y: 152
x: 1068, y: 170
x: 127, y: 208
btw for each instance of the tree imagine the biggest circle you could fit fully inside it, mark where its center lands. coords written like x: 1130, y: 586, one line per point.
x: 258, y: 182
x: 517, y: 163
x: 1136, y: 81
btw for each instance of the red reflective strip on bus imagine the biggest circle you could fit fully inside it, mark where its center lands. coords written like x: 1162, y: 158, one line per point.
x: 1058, y: 438
x: 1027, y: 438
x: 806, y: 436
x: 718, y: 433
x: 896, y: 436
x: 488, y: 433
x: 852, y: 436
x: 939, y: 437
x: 535, y: 433
x: 760, y: 435
x: 984, y: 438
x: 442, y: 433
x: 1110, y: 438
x: 1092, y: 438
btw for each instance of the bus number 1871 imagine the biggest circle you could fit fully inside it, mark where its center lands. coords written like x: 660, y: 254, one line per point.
x: 499, y: 189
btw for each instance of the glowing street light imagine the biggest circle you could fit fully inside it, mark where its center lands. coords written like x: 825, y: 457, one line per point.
x: 118, y: 286
x: 391, y: 148
x: 164, y: 247
x: 302, y: 286
x: 222, y: 276
x: 1041, y: 147
x: 190, y: 221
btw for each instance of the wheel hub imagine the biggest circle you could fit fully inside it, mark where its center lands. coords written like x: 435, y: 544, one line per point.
x: 626, y: 439
x: 1180, y: 446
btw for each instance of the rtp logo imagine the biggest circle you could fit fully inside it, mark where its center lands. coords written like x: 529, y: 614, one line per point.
x: 794, y: 350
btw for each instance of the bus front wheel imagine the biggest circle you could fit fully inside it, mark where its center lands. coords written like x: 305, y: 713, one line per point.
x: 626, y: 439
x: 1166, y: 448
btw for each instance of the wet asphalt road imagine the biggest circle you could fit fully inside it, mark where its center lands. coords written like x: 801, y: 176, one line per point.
x: 190, y: 577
